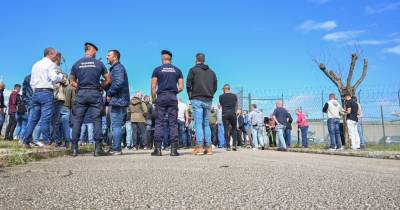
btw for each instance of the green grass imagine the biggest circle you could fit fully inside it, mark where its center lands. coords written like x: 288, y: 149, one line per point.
x: 17, y: 155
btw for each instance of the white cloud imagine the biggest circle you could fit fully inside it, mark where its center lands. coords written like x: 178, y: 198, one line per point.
x: 393, y: 50
x: 310, y: 25
x: 342, y: 35
x: 380, y: 8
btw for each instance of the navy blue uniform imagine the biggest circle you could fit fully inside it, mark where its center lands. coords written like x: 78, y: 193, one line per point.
x: 166, y: 103
x: 88, y: 101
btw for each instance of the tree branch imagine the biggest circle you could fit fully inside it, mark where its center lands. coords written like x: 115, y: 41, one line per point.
x: 351, y: 70
x: 332, y: 76
x: 364, y: 73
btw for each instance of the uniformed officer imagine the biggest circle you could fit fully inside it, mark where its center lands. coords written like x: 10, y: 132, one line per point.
x: 166, y: 83
x: 85, y: 77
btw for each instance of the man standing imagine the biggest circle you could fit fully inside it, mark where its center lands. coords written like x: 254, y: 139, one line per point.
x: 280, y: 116
x: 166, y: 83
x: 44, y: 74
x: 118, y: 97
x: 12, y: 112
x: 138, y: 112
x: 201, y: 86
x: 183, y: 122
x: 148, y: 142
x: 228, y: 103
x: 220, y: 129
x: 2, y: 106
x: 333, y: 109
x: 256, y: 118
x: 59, y: 99
x: 85, y: 77
x: 352, y: 120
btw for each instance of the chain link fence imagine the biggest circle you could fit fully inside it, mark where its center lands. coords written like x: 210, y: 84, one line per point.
x: 380, y: 105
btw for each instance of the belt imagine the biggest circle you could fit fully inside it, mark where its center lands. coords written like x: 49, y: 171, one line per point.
x: 43, y: 89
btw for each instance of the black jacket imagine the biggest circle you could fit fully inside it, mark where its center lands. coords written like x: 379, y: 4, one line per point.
x: 119, y: 90
x: 27, y: 91
x: 240, y: 122
x: 201, y: 82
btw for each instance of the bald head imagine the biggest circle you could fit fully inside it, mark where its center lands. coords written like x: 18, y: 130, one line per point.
x: 279, y: 104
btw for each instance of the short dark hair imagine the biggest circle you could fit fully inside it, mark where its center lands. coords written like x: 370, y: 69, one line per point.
x: 116, y: 53
x: 254, y: 105
x: 347, y: 94
x: 17, y: 86
x: 48, y: 50
x: 200, y: 57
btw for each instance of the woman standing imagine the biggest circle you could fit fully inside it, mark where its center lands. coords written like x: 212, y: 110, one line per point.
x: 303, y: 125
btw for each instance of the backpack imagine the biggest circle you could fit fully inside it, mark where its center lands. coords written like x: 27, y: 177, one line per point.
x: 21, y: 108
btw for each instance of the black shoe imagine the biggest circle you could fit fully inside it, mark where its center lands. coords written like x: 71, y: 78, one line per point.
x: 157, y: 151
x: 262, y: 148
x: 234, y: 149
x: 74, y: 149
x: 99, y: 150
x: 174, y: 150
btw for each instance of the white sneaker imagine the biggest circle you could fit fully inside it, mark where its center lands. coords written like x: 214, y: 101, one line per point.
x: 331, y: 149
x: 39, y: 144
x: 341, y: 148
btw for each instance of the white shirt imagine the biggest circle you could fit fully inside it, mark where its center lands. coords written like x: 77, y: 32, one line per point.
x: 182, y: 108
x: 44, y: 74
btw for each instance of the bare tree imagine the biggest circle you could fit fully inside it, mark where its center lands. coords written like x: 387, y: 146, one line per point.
x: 347, y: 88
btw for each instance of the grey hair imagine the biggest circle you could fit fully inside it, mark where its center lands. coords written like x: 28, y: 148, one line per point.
x: 48, y: 51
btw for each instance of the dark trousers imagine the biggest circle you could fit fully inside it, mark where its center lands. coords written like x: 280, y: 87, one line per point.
x: 230, y: 127
x: 87, y: 102
x: 149, y: 136
x: 214, y: 134
x: 166, y: 114
x: 138, y: 133
x: 240, y: 137
x: 12, y: 123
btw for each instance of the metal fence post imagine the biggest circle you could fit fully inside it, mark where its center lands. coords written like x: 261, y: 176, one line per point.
x: 323, y: 116
x: 383, y: 126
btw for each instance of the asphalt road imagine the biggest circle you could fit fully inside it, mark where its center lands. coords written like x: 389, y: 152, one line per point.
x: 225, y: 180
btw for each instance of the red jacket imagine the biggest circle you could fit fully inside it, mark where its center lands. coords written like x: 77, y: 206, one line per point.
x: 12, y: 103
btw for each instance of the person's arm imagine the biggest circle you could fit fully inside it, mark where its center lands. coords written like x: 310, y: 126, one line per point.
x: 325, y: 109
x: 54, y: 74
x: 107, y: 81
x: 180, y: 85
x: 189, y: 84
x: 359, y: 112
x: 187, y: 118
x: 154, y: 89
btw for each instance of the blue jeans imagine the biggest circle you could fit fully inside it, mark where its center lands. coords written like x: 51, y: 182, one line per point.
x: 87, y: 127
x: 2, y: 118
x: 201, y: 110
x: 334, y: 133
x: 360, y: 133
x: 182, y: 133
x: 22, y: 120
x: 128, y: 128
x: 257, y: 133
x: 280, y: 129
x: 65, y: 114
x: 288, y: 136
x: 41, y: 109
x: 304, y: 138
x: 118, y: 116
x: 221, y: 135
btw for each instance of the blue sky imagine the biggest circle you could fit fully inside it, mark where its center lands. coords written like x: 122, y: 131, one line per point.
x: 256, y: 44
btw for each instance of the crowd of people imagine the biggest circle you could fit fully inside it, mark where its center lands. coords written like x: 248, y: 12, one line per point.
x: 93, y: 105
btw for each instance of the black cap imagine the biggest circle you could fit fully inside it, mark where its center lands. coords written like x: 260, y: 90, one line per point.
x: 91, y: 44
x: 166, y: 52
